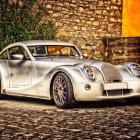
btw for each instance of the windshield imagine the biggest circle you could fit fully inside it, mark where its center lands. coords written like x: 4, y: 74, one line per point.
x: 44, y: 50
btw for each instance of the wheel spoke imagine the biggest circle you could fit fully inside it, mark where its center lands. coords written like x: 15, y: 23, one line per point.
x: 56, y: 88
x: 61, y: 100
x: 57, y: 84
x: 58, y: 100
x: 64, y: 98
x: 59, y: 80
x: 64, y: 85
x: 64, y: 93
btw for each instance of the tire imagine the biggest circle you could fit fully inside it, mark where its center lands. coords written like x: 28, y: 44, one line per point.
x: 63, y: 91
x: 133, y: 100
x: 1, y: 95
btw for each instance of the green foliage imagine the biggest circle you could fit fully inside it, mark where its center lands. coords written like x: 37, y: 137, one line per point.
x: 18, y: 22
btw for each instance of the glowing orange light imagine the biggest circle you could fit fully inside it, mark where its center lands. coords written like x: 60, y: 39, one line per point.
x: 131, y: 18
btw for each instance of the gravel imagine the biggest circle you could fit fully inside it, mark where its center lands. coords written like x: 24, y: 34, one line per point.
x: 33, y: 119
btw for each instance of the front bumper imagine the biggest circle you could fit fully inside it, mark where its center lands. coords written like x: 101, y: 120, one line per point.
x: 101, y: 91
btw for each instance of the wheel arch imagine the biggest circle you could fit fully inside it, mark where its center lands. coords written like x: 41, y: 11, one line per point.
x: 74, y: 73
x: 53, y: 77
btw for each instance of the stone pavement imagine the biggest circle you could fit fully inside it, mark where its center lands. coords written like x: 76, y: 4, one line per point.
x: 23, y: 119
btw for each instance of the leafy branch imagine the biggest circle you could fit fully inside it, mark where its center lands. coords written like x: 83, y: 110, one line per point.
x: 18, y: 23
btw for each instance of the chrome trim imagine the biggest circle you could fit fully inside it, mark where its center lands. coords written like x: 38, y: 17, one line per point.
x: 111, y: 74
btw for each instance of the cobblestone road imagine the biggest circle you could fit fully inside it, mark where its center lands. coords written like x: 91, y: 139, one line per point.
x: 40, y: 120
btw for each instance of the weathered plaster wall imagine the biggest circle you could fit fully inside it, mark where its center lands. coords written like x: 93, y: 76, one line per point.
x: 84, y: 22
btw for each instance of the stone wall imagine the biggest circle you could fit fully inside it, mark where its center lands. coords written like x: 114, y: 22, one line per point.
x: 84, y: 22
x: 121, y: 49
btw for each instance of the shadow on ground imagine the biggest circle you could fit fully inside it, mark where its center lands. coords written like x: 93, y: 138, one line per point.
x: 94, y: 104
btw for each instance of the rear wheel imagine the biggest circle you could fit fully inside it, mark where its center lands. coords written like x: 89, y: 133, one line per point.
x: 63, y: 91
x: 1, y: 95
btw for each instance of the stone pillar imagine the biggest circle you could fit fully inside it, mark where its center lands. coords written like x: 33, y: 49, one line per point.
x: 122, y: 49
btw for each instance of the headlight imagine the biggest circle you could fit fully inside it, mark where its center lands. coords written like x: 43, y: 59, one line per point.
x: 89, y: 72
x: 135, y: 68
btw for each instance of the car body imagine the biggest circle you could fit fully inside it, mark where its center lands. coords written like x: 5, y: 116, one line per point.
x: 58, y: 71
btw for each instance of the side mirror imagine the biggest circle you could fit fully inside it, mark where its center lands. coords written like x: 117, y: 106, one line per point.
x: 85, y: 55
x: 18, y: 57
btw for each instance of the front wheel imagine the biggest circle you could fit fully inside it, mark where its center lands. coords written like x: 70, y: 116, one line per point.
x: 63, y: 91
x: 133, y: 100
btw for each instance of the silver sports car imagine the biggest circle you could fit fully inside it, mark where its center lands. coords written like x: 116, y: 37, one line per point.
x: 58, y: 71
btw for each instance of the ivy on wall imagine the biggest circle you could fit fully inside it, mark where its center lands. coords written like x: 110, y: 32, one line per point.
x: 18, y: 22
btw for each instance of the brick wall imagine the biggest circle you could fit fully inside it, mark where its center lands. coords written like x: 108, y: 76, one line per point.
x: 121, y: 49
x: 84, y: 22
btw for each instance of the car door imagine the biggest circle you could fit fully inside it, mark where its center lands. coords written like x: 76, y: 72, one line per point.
x: 19, y: 67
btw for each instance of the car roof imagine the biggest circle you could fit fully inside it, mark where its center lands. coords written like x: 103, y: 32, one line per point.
x: 45, y: 42
x: 38, y: 42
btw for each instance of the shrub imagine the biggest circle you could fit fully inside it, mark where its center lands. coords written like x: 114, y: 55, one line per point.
x: 18, y: 23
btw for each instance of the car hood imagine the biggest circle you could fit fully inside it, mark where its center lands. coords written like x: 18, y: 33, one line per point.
x: 72, y: 61
x: 69, y: 61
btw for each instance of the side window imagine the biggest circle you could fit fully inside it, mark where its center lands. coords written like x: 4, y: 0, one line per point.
x: 38, y: 51
x: 17, y: 51
x: 4, y: 55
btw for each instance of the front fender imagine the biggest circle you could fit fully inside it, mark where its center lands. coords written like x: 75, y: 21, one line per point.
x: 75, y: 73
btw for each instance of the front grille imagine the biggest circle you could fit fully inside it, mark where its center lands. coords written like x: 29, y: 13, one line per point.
x: 110, y: 73
x: 119, y: 92
x: 113, y: 93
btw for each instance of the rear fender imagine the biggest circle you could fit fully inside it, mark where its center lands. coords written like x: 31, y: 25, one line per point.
x: 4, y: 77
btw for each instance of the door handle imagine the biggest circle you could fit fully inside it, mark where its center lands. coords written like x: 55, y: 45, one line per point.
x: 11, y: 74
